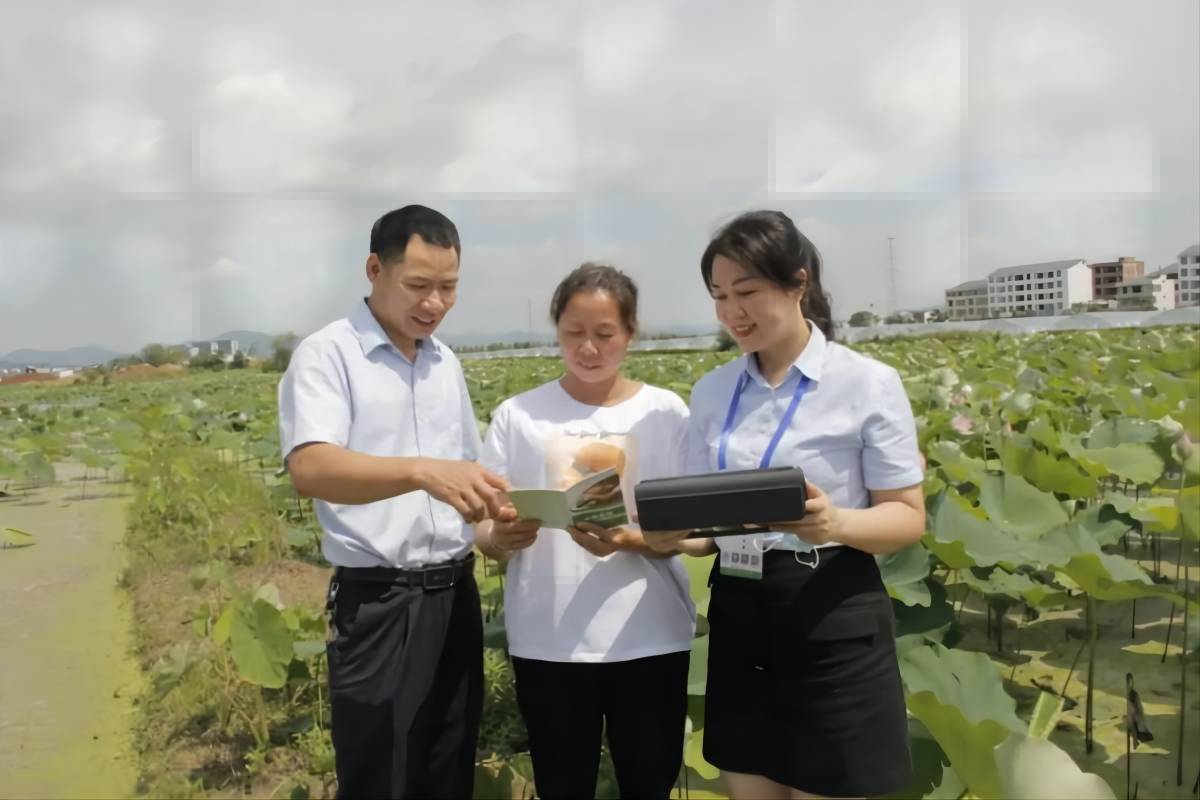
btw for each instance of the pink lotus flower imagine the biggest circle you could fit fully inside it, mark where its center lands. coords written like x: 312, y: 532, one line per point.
x: 963, y: 424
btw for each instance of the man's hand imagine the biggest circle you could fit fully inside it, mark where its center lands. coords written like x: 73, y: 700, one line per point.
x: 472, y: 490
x: 510, y: 534
x: 822, y: 520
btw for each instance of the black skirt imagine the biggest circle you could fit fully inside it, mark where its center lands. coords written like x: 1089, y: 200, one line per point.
x: 803, y: 683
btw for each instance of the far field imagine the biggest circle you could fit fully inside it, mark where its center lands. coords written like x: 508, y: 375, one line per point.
x: 1063, y: 480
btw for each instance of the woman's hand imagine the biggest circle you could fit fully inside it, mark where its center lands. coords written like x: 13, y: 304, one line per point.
x: 666, y: 543
x: 822, y: 520
x: 509, y: 534
x: 602, y: 542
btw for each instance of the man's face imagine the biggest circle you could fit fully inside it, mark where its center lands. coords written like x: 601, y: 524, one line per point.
x: 412, y: 296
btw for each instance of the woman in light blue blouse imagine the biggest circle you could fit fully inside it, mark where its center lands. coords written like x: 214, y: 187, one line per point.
x: 804, y: 695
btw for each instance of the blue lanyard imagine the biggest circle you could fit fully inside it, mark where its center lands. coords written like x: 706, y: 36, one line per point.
x: 743, y: 381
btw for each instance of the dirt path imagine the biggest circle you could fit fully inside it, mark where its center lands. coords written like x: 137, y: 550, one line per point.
x: 67, y: 677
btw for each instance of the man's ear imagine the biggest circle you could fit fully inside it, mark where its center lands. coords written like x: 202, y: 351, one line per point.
x: 373, y: 267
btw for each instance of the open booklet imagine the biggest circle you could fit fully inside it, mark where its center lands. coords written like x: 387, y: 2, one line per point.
x: 596, y: 499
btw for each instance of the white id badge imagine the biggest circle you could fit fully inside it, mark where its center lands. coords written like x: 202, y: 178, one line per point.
x: 742, y: 556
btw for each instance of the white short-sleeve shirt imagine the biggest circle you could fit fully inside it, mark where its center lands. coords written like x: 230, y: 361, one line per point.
x: 561, y: 603
x: 852, y: 432
x: 348, y: 385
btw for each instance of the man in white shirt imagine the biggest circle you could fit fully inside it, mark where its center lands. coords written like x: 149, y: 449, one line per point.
x: 376, y: 426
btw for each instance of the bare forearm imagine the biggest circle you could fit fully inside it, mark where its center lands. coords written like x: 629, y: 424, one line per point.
x: 337, y: 475
x: 698, y: 548
x: 880, y: 529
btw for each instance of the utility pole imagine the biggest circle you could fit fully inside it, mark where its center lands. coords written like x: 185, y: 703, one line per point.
x: 892, y: 273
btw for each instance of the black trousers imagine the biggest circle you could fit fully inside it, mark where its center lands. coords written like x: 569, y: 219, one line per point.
x: 406, y: 688
x: 566, y: 706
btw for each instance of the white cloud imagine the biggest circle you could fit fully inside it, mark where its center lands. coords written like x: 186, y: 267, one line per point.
x: 867, y: 96
x: 266, y: 140
x: 270, y: 130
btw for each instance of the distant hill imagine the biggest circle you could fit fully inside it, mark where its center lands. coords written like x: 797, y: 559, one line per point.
x: 73, y: 357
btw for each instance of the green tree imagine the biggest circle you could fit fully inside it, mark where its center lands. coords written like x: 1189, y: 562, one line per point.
x: 282, y: 347
x: 863, y: 319
x: 724, y: 341
x: 155, y: 355
x: 210, y: 361
x: 239, y: 360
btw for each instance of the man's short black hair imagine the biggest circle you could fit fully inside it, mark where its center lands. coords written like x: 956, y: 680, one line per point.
x: 391, y: 232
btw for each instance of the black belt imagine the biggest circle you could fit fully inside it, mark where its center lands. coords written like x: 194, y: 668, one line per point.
x: 434, y: 576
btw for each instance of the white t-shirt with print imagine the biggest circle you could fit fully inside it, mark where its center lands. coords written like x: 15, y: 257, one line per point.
x: 561, y: 602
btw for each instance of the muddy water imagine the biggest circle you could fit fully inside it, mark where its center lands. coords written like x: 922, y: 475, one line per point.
x: 67, y: 677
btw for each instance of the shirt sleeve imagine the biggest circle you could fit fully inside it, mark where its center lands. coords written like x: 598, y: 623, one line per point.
x: 696, y: 458
x: 678, y: 463
x: 471, y: 442
x: 314, y: 400
x: 494, y: 453
x: 891, y: 459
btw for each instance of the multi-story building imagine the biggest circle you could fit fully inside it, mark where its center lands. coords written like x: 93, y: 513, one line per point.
x: 1189, y: 277
x: 226, y: 348
x: 1108, y: 275
x: 1044, y: 289
x: 1147, y: 292
x: 967, y: 300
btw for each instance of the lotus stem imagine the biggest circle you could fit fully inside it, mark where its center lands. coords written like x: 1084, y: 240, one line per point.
x: 1183, y: 665
x: 1089, y: 716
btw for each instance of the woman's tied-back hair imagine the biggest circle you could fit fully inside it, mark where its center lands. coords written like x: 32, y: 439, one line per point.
x: 591, y: 277
x: 768, y: 244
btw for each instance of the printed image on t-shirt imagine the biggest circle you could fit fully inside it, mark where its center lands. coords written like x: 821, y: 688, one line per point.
x: 573, y: 458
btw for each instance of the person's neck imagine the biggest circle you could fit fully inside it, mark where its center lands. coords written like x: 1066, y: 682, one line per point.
x: 602, y: 393
x: 406, y: 345
x: 775, y: 360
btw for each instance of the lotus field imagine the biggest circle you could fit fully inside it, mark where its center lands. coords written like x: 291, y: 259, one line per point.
x: 1063, y: 490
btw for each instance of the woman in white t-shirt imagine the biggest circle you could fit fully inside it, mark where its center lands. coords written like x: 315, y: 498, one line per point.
x: 599, y: 626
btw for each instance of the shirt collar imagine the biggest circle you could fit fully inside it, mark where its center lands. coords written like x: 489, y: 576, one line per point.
x: 809, y: 362
x: 371, y: 336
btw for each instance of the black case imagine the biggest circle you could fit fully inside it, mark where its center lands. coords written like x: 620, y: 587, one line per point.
x: 721, y: 503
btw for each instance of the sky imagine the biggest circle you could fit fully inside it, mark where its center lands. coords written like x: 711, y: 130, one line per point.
x: 170, y: 171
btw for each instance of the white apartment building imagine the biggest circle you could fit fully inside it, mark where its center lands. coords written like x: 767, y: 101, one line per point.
x: 1189, y: 277
x: 1042, y: 289
x: 1149, y: 291
x: 967, y: 300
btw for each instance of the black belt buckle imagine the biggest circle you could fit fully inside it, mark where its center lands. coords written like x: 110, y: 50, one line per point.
x: 441, y: 577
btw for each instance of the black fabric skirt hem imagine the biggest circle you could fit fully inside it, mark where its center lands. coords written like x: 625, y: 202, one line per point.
x: 880, y: 783
x: 803, y: 682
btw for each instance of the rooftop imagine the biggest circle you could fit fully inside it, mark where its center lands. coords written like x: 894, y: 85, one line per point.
x: 1045, y: 266
x: 967, y: 286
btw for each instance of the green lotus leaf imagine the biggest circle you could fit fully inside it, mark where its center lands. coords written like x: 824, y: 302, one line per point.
x: 1044, y: 471
x: 261, y: 643
x: 904, y: 574
x: 1019, y: 507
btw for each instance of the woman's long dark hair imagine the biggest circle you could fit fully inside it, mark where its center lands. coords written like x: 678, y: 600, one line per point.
x: 768, y: 243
